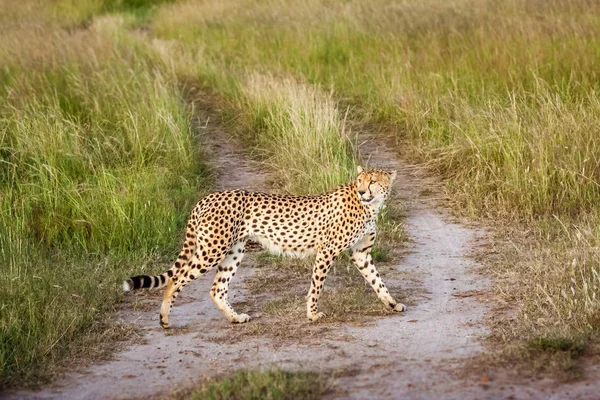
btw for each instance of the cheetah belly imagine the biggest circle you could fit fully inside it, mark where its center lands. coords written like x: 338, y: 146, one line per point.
x: 278, y: 249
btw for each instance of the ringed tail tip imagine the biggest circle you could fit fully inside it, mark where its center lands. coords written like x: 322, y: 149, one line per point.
x: 128, y: 285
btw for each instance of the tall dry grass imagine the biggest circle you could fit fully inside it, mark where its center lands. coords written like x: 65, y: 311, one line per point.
x: 301, y: 132
x: 492, y: 92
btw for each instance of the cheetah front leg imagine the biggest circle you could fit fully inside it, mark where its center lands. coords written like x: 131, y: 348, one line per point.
x: 361, y: 255
x: 323, y: 262
x: 220, y: 287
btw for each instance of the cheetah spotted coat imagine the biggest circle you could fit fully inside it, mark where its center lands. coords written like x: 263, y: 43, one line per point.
x: 298, y: 226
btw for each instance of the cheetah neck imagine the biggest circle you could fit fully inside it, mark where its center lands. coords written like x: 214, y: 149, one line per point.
x: 373, y: 207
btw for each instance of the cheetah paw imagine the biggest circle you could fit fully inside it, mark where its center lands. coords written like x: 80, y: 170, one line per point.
x: 241, y: 318
x: 316, y: 316
x: 164, y: 323
x: 399, y: 307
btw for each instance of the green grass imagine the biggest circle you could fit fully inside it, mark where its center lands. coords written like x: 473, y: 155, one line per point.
x: 98, y: 170
x: 498, y: 97
x: 295, y: 129
x: 557, y: 354
x: 558, y: 344
x: 275, y: 384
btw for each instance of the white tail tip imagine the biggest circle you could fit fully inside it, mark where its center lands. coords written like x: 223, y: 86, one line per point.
x: 126, y: 286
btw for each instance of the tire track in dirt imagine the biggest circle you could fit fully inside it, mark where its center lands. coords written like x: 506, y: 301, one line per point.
x: 421, y: 349
x: 449, y: 324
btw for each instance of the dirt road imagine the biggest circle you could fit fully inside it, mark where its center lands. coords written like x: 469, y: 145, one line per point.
x: 413, y: 355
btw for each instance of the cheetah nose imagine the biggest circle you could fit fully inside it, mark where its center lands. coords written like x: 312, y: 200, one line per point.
x: 361, y: 192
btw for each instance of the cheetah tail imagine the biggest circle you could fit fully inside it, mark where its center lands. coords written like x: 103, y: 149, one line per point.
x: 160, y: 281
x: 147, y: 282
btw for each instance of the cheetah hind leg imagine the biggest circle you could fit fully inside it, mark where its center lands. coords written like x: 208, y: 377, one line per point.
x: 183, y: 275
x: 220, y: 287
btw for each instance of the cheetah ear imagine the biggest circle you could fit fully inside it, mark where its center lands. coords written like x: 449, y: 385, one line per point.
x: 359, y: 169
x: 393, y: 177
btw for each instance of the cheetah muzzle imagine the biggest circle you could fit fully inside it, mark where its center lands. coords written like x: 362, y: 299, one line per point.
x: 222, y: 223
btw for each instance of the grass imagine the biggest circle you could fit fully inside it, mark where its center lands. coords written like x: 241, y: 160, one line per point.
x: 559, y: 356
x: 499, y: 98
x: 274, y: 384
x: 296, y: 128
x: 446, y: 74
x: 556, y: 344
x: 552, y: 279
x: 98, y: 169
x: 301, y: 132
x: 72, y: 14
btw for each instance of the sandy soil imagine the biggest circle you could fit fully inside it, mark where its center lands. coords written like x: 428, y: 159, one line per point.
x: 413, y: 355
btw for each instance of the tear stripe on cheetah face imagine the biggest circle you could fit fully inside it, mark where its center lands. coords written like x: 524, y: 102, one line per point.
x: 297, y: 226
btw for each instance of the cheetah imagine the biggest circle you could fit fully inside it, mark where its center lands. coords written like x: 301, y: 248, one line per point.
x: 298, y: 226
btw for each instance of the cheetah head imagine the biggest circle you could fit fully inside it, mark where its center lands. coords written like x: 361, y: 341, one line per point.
x: 374, y: 185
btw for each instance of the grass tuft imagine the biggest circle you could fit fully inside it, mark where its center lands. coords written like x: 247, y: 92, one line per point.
x: 558, y: 344
x: 275, y: 384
